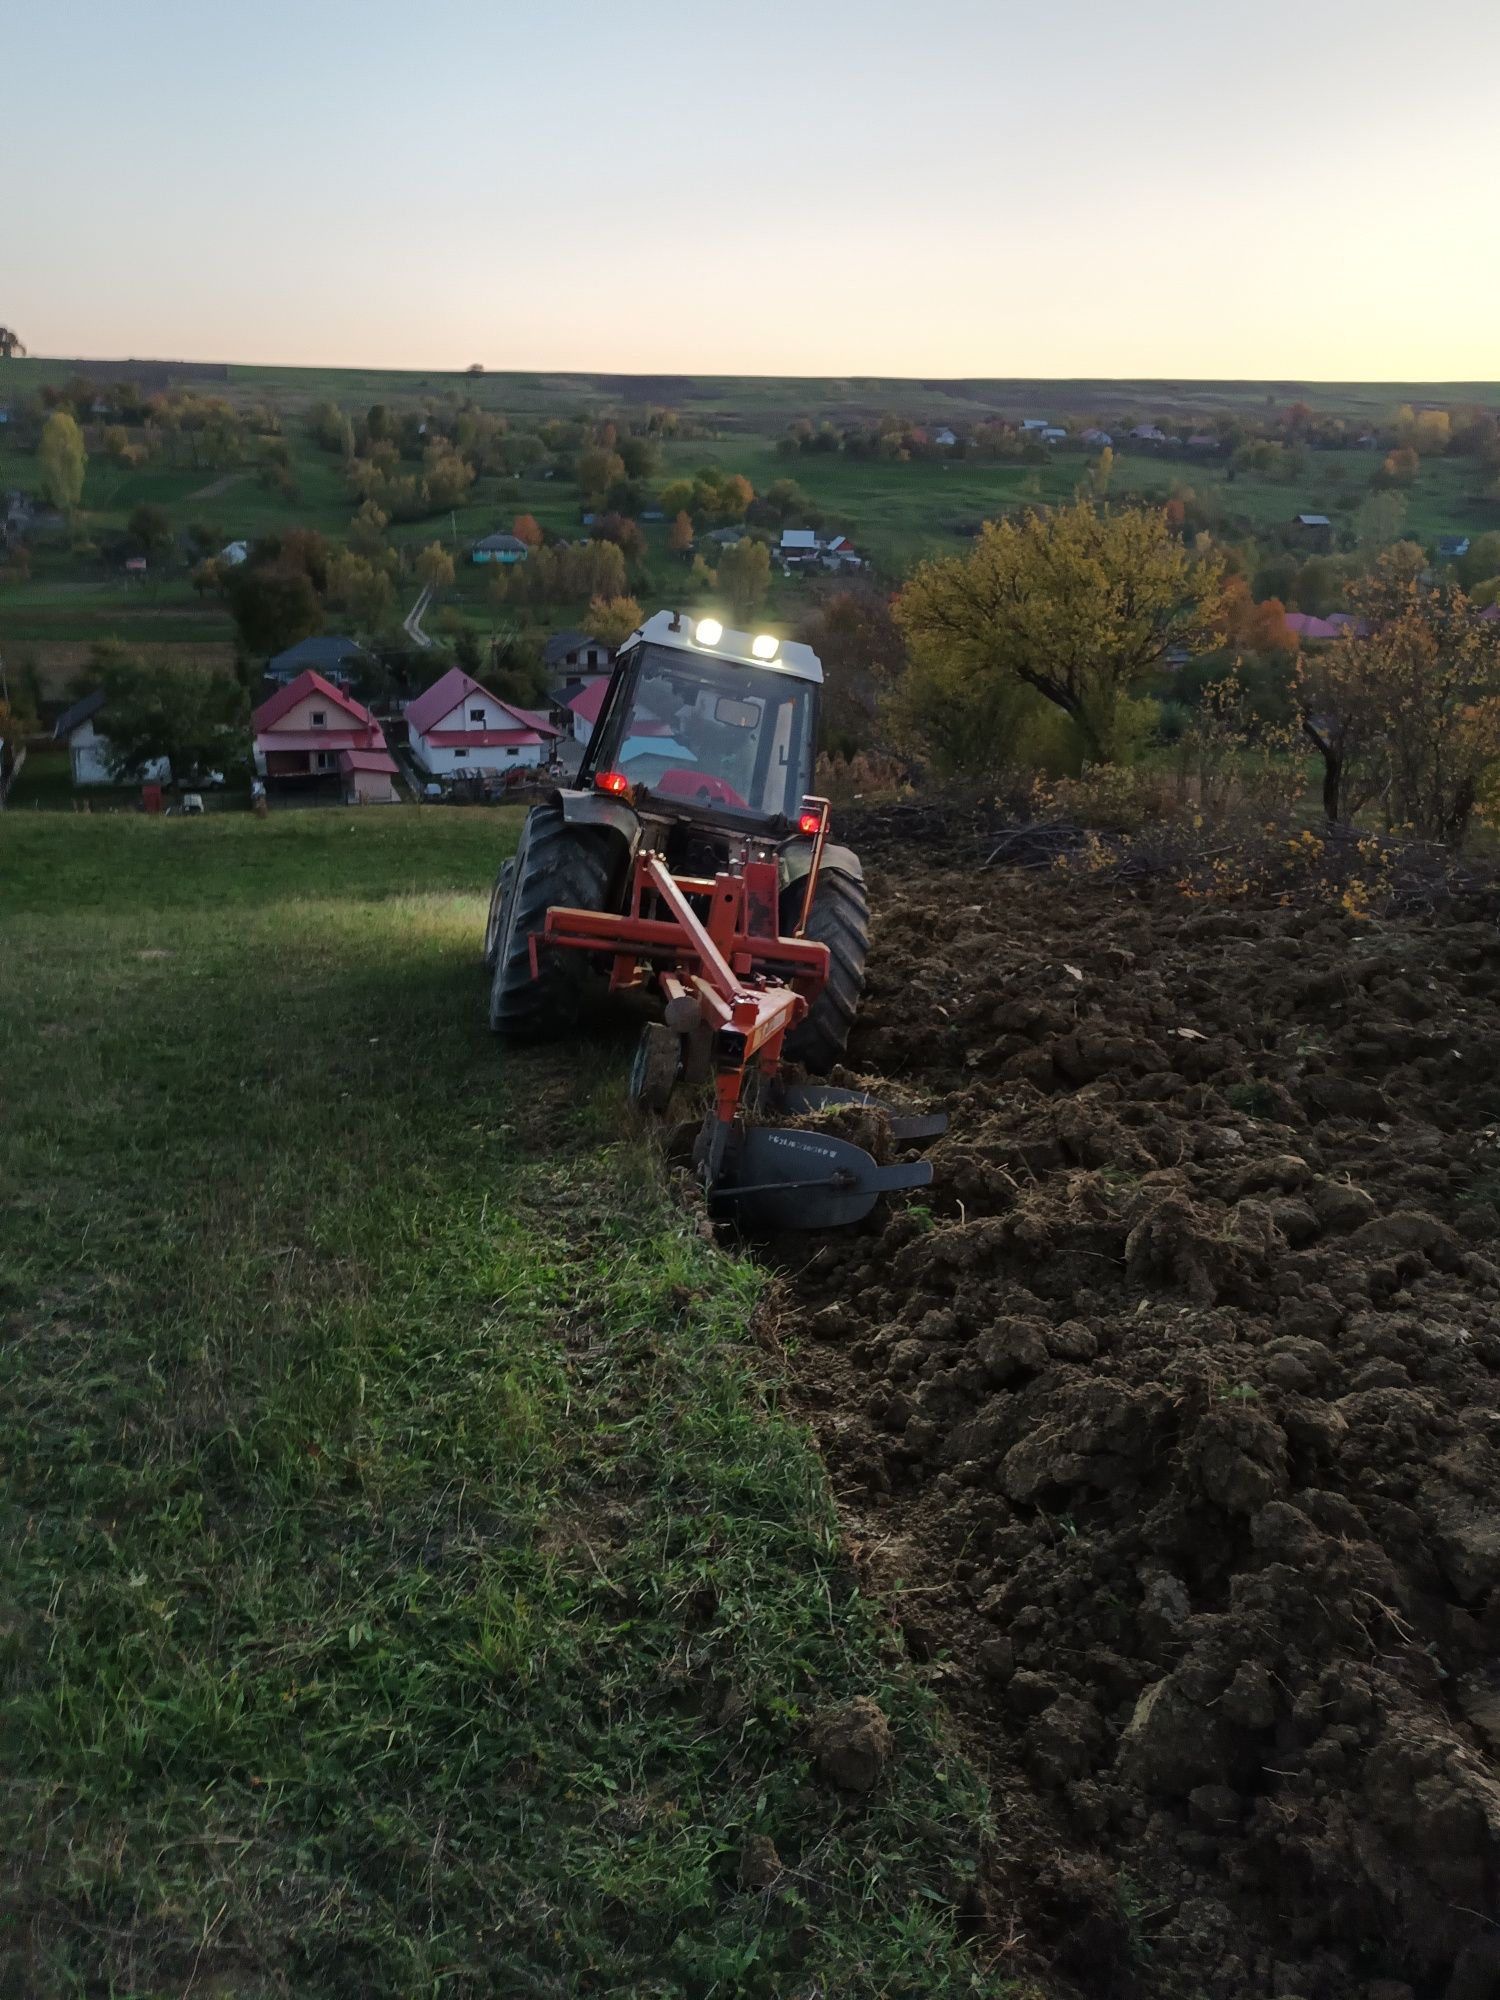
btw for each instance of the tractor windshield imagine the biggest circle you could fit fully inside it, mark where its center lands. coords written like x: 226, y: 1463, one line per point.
x: 715, y: 734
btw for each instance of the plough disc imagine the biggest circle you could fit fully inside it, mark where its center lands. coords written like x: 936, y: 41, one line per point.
x: 808, y: 1180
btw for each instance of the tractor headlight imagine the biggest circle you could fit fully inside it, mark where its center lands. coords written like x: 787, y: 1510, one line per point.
x: 763, y: 646
x: 708, y: 631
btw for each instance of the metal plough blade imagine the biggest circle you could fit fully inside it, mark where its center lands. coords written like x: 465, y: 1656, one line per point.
x: 906, y: 1126
x: 809, y: 1180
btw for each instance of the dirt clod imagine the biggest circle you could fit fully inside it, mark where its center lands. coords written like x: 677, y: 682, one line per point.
x: 852, y: 1745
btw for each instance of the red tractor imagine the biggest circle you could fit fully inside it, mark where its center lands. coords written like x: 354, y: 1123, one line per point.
x: 690, y: 861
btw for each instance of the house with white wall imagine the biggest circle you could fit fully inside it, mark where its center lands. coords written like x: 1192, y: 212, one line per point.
x: 89, y: 750
x: 457, y: 726
x: 312, y: 731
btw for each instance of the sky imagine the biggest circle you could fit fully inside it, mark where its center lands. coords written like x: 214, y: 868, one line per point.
x: 932, y: 188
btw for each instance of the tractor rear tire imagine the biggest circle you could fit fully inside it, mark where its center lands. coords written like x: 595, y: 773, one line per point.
x: 554, y: 864
x: 495, y: 922
x: 840, y: 919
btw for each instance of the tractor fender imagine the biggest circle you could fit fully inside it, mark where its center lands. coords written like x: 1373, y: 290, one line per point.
x: 796, y: 860
x: 595, y: 809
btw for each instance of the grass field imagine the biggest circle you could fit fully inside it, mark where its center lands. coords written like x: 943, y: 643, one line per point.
x: 411, y: 1585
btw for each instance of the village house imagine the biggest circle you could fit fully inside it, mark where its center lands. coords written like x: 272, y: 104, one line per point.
x: 89, y: 749
x: 233, y: 554
x: 1147, y: 434
x: 1313, y: 531
x: 1096, y: 437
x: 1035, y: 424
x: 336, y: 658
x: 798, y: 548
x: 945, y: 437
x: 1053, y: 434
x: 1202, y: 441
x: 1451, y: 547
x: 312, y: 731
x: 499, y: 549
x: 574, y: 661
x: 457, y: 726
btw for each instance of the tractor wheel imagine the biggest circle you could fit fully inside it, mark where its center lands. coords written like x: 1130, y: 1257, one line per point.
x: 554, y: 864
x: 840, y: 919
x: 495, y: 922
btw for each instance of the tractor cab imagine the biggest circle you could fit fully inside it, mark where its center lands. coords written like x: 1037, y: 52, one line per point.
x: 702, y: 723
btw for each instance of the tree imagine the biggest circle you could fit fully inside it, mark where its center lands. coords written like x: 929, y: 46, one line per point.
x: 364, y: 589
x: 677, y: 498
x: 274, y: 605
x: 1399, y: 468
x: 745, y: 576
x: 1078, y: 606
x: 611, y: 620
x: 1379, y: 522
x: 435, y: 568
x: 62, y: 460
x: 195, y: 717
x: 680, y: 534
x: 367, y: 531
x: 1480, y: 561
x: 863, y: 654
x: 10, y: 343
x: 596, y: 470
x: 1404, y: 707
x: 151, y: 526
x: 526, y: 529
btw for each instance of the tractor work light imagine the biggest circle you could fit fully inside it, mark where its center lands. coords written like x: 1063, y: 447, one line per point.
x: 708, y: 631
x: 763, y: 646
x: 611, y: 781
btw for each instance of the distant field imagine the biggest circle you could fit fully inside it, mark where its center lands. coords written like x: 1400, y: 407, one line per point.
x: 759, y: 401
x: 897, y: 513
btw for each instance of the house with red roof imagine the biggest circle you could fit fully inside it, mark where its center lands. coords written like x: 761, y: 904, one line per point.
x: 456, y: 727
x: 310, y: 733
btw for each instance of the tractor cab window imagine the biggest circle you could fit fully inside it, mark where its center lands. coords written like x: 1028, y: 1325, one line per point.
x: 715, y: 733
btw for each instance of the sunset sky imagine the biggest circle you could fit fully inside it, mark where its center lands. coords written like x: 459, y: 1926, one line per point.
x: 1300, y: 190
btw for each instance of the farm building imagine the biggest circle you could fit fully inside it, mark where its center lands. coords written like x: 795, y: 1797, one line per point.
x: 1147, y: 434
x: 233, y: 554
x: 313, y: 730
x: 1054, y: 434
x: 457, y: 726
x: 1313, y: 531
x: 1096, y: 437
x: 945, y: 437
x: 88, y: 747
x: 499, y: 549
x: 1451, y: 547
x: 1035, y: 425
x: 798, y: 545
x: 336, y: 658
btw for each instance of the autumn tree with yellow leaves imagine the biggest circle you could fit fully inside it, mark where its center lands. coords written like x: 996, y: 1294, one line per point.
x: 1075, y: 609
x: 1405, y: 707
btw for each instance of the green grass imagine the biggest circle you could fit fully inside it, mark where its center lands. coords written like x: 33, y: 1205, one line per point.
x: 412, y: 1586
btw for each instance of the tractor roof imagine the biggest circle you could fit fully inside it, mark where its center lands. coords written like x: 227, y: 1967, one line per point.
x: 673, y: 628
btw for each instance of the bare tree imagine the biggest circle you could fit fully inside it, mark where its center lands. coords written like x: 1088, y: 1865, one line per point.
x: 11, y: 343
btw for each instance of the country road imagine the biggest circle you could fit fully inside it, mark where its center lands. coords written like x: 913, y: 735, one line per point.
x: 412, y: 626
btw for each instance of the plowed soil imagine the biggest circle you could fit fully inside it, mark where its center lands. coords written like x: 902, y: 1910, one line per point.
x: 1169, y: 1420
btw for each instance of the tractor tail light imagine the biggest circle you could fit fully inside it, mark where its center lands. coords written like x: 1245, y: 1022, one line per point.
x: 809, y: 823
x: 612, y: 781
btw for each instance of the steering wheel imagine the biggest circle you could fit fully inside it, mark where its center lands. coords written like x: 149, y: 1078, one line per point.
x: 678, y: 783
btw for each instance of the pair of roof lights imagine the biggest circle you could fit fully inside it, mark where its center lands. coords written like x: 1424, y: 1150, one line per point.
x: 708, y: 632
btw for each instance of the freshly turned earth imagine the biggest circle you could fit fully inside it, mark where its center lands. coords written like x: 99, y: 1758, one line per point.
x: 1169, y: 1420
